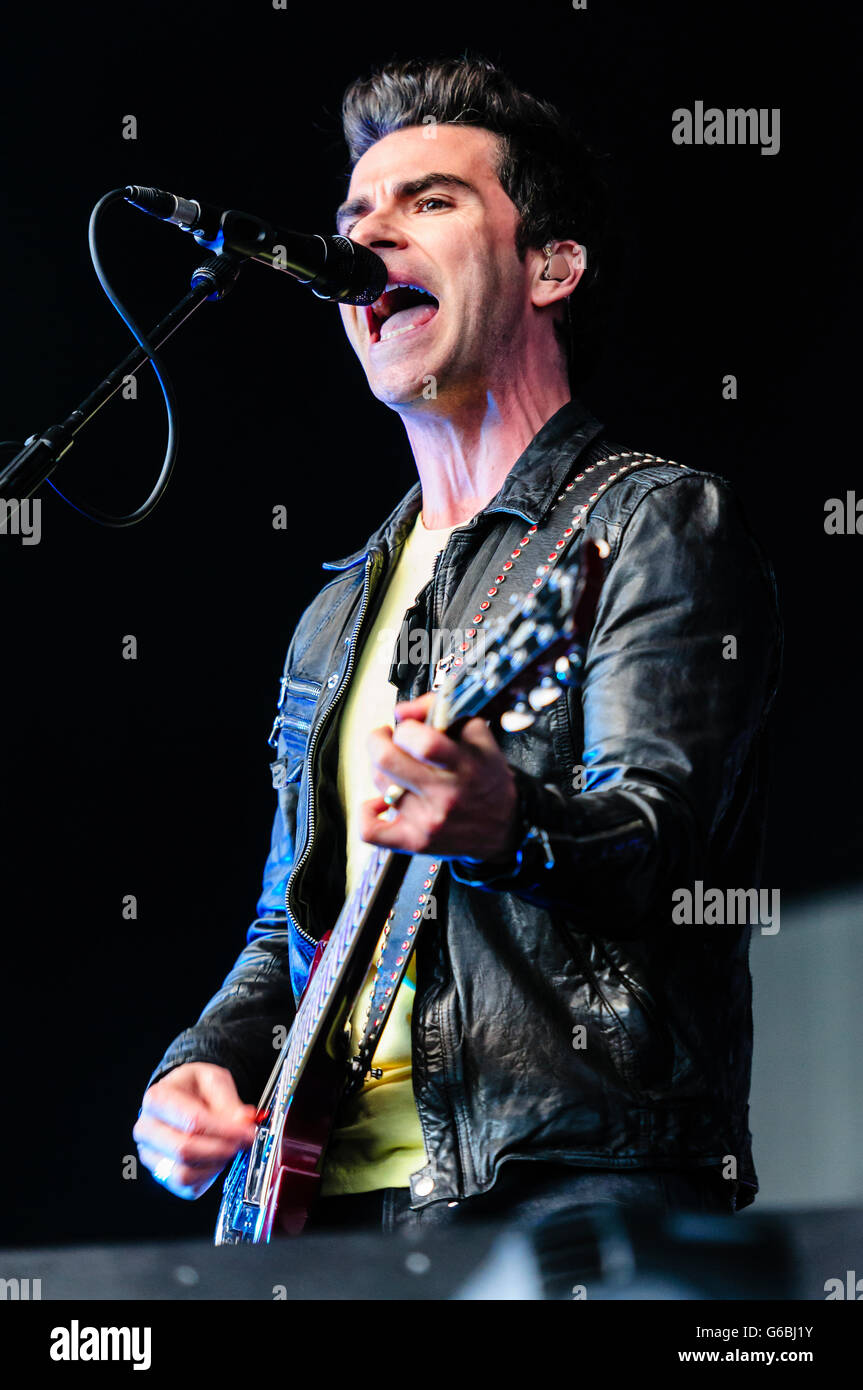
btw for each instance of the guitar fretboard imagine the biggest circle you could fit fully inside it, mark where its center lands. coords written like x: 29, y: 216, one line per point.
x: 314, y: 1002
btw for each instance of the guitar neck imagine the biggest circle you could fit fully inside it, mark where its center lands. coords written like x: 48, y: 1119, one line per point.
x: 343, y: 967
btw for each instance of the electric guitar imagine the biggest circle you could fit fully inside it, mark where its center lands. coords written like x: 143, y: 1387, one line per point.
x: 530, y: 656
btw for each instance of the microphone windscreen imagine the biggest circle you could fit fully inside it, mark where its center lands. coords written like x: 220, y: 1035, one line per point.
x: 358, y: 275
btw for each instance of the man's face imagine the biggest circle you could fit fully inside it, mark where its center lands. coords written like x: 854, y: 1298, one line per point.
x: 434, y: 210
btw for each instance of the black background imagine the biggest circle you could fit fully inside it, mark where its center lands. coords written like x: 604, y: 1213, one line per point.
x: 150, y: 777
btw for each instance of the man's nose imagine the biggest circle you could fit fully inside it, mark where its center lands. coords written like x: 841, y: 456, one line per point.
x: 378, y: 230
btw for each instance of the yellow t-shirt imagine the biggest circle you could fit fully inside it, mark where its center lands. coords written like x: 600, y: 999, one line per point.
x: 378, y: 1139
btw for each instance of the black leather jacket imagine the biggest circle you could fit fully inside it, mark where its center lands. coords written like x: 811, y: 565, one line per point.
x: 669, y: 729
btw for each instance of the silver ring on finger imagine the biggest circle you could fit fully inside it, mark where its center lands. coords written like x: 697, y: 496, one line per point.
x: 163, y: 1169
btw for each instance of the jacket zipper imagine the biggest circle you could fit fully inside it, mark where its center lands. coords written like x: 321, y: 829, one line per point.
x: 298, y: 687
x: 310, y: 751
x: 293, y: 721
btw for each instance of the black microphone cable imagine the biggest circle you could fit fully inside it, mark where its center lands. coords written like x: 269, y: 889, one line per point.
x: 95, y: 513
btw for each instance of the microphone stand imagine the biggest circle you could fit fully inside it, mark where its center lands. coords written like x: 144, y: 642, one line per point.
x: 42, y: 452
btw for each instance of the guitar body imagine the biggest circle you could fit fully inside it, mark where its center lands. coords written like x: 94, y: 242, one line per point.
x: 288, y: 1151
x: 295, y: 1178
x: 304, y: 1143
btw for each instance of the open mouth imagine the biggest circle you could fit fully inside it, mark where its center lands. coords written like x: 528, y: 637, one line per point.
x: 402, y: 308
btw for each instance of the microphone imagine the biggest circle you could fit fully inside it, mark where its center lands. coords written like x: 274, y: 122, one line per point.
x: 333, y: 267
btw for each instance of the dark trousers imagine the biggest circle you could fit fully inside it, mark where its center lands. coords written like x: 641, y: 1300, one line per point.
x: 526, y: 1192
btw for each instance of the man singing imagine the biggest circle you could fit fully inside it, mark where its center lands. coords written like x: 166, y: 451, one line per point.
x: 559, y: 1037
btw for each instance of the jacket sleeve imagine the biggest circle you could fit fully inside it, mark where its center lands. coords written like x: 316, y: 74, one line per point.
x: 680, y: 673
x: 241, y: 1027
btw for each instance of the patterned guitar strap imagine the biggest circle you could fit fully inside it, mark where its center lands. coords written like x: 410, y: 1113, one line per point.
x: 538, y: 549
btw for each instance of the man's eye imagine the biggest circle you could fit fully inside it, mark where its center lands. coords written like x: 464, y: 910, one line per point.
x: 348, y: 227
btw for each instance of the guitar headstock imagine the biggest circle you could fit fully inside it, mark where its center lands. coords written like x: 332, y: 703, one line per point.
x: 528, y: 657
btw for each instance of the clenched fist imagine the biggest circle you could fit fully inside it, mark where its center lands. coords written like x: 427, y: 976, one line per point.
x: 194, y: 1120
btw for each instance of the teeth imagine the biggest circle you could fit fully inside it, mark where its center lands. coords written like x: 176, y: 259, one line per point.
x: 405, y: 285
x: 399, y: 284
x: 396, y: 331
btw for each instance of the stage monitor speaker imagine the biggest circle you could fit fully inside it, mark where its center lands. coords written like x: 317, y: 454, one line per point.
x: 596, y: 1252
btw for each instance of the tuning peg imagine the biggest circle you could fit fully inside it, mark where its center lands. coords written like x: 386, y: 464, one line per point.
x: 567, y: 668
x: 517, y: 719
x: 544, y: 694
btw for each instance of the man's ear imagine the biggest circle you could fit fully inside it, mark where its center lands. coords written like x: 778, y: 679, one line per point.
x: 558, y: 267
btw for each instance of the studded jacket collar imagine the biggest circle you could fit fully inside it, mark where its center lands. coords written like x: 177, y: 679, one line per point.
x: 562, y: 1012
